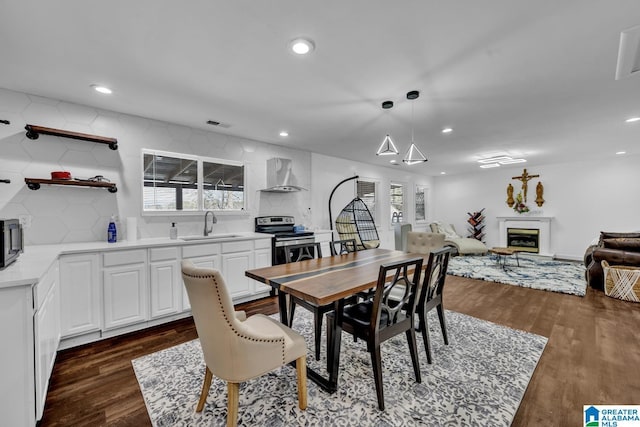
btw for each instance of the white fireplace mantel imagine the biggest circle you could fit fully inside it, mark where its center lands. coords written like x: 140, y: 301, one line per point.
x: 542, y: 223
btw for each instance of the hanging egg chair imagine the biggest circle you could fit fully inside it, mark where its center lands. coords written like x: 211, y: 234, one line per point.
x: 355, y: 222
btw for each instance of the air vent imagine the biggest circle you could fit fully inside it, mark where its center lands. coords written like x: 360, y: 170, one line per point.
x: 218, y: 124
x: 628, y: 53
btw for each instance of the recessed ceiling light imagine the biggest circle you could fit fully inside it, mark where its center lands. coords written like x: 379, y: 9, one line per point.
x: 284, y: 133
x: 632, y: 119
x: 301, y: 46
x: 490, y: 165
x: 102, y: 89
x: 621, y: 152
x: 447, y: 130
x: 443, y: 173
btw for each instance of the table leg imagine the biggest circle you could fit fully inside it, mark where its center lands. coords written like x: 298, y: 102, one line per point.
x: 517, y: 259
x: 282, y: 305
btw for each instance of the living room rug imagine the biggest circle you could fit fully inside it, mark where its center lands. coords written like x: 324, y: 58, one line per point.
x: 534, y: 272
x: 478, y: 379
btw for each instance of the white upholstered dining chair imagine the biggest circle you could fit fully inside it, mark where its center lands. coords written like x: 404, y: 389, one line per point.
x: 237, y: 348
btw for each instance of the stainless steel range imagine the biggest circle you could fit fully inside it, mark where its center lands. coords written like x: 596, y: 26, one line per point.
x: 282, y: 228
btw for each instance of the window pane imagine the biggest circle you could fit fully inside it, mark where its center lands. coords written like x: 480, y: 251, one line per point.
x: 169, y: 183
x: 397, y: 202
x: 223, y: 186
x: 366, y: 190
x: 421, y: 214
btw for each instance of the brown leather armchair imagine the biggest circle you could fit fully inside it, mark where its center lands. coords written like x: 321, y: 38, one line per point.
x: 616, y: 249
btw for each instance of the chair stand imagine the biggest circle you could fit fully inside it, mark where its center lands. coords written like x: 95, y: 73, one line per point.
x: 423, y: 324
x: 206, y: 385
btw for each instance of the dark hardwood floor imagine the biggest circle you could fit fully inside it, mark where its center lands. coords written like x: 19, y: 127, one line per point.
x: 592, y: 356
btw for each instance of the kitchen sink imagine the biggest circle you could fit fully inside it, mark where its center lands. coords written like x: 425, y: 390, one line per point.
x: 211, y: 237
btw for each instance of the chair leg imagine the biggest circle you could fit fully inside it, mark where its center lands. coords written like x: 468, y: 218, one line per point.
x: 376, y: 362
x: 206, y: 384
x: 317, y: 317
x: 424, y: 327
x: 233, y: 397
x: 443, y: 323
x: 413, y: 350
x: 301, y: 368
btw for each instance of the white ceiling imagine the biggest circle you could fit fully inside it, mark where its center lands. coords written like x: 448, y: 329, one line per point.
x: 532, y: 78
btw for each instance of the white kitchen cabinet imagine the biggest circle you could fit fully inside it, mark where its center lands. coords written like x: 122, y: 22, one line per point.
x: 125, y: 288
x: 262, y: 258
x: 80, y: 299
x: 165, y: 282
x: 233, y: 266
x: 46, y: 333
x: 205, y: 256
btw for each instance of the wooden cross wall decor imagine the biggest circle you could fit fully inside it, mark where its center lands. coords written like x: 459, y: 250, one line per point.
x: 525, y: 177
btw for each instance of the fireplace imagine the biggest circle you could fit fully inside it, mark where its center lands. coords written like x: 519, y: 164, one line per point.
x: 524, y: 239
x: 533, y: 222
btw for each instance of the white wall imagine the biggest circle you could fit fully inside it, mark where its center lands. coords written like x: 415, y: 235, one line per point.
x: 583, y: 197
x: 74, y: 214
x: 327, y: 172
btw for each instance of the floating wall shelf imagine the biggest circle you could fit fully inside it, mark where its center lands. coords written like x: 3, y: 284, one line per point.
x: 34, y: 132
x: 34, y: 183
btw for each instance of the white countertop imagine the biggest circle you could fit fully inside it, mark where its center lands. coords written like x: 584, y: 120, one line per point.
x: 31, y: 265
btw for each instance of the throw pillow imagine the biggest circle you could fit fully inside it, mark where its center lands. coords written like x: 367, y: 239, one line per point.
x: 447, y: 229
x: 623, y: 243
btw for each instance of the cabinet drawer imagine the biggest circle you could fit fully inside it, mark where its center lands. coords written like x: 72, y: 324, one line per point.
x: 124, y: 257
x: 243, y: 246
x: 263, y: 244
x: 200, y: 250
x: 162, y: 254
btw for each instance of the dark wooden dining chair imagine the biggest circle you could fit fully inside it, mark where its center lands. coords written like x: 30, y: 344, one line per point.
x: 301, y: 252
x: 389, y: 313
x: 431, y: 295
x: 340, y: 247
x: 295, y: 253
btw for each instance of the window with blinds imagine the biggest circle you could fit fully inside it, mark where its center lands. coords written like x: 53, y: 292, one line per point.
x: 397, y: 202
x: 366, y: 190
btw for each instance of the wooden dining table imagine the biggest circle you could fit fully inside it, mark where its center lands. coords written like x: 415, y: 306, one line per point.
x: 327, y: 280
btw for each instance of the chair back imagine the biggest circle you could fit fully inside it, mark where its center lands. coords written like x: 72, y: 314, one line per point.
x: 214, y: 316
x: 295, y: 253
x: 435, y: 274
x: 395, y: 300
x: 341, y: 247
x: 423, y: 243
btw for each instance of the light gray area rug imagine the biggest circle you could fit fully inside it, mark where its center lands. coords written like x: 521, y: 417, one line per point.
x: 534, y: 272
x: 479, y: 379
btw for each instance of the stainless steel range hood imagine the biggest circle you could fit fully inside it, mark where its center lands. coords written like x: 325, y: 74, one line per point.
x: 279, y: 176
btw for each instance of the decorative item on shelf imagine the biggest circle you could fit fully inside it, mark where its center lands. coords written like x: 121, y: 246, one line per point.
x: 60, y: 175
x: 510, y: 200
x: 520, y: 206
x: 539, y: 191
x: 476, y: 219
x: 525, y: 178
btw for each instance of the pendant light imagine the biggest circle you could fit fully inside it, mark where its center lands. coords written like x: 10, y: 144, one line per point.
x: 414, y: 155
x: 387, y: 148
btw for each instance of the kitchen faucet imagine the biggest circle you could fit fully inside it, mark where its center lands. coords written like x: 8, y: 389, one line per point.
x: 213, y: 221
